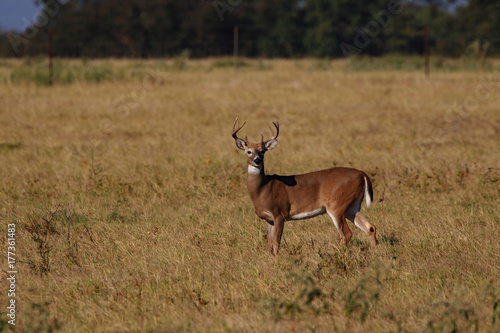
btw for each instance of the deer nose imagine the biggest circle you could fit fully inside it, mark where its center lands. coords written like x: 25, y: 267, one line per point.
x: 257, y: 161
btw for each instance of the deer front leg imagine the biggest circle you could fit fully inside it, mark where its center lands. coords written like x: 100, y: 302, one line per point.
x: 270, y: 236
x: 279, y: 223
x: 341, y: 225
x: 347, y: 234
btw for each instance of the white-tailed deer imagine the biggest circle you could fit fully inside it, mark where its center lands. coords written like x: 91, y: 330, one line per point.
x: 276, y: 199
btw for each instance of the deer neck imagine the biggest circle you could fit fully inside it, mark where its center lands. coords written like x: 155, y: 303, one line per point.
x: 256, y: 179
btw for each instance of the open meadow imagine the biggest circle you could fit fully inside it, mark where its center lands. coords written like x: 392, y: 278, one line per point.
x: 131, y: 212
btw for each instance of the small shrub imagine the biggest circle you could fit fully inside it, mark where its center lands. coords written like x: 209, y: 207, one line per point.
x: 41, y: 229
x: 39, y: 319
x: 180, y: 62
x: 97, y: 74
x: 9, y: 146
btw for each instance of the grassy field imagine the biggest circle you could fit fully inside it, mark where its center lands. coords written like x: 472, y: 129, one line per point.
x: 131, y: 211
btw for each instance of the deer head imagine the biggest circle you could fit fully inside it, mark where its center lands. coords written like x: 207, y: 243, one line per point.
x: 255, y: 151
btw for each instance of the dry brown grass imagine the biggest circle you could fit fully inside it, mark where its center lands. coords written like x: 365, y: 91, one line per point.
x: 162, y: 235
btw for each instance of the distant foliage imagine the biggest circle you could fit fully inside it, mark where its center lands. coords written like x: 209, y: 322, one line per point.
x: 270, y: 29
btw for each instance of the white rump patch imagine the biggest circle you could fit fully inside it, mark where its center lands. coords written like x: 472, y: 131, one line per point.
x: 253, y: 170
x: 367, y: 195
x: 307, y: 215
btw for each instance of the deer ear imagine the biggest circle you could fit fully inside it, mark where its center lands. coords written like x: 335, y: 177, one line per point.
x: 240, y: 143
x: 270, y: 144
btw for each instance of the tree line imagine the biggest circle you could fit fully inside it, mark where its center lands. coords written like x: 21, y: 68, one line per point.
x: 278, y: 28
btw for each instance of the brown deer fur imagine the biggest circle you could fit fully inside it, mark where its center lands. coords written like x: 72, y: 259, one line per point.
x: 276, y: 199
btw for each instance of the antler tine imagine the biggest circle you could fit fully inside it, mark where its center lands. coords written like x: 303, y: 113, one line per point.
x: 235, y: 130
x: 277, y: 125
x: 262, y: 138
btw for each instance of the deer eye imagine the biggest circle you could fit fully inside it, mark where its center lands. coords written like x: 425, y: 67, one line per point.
x: 249, y: 152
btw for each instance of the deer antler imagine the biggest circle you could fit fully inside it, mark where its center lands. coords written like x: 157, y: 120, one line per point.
x: 277, y: 125
x: 235, y: 130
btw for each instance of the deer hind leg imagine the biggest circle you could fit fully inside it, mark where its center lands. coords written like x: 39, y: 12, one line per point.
x: 354, y: 214
x: 341, y: 225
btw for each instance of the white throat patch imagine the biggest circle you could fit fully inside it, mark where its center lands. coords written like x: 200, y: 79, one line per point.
x: 253, y: 170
